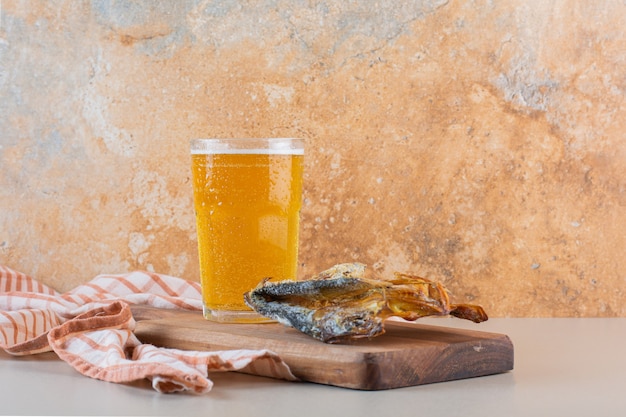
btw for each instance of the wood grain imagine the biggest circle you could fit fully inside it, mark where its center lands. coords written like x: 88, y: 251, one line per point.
x: 407, y: 354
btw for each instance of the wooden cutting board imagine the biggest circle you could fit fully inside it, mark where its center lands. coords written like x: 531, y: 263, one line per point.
x: 407, y: 354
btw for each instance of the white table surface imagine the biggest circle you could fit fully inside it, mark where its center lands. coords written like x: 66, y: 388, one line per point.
x: 563, y: 367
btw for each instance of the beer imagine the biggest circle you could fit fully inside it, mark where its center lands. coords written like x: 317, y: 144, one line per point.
x: 247, y: 204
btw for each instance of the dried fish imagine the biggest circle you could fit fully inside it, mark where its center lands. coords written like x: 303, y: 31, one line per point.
x: 340, y: 304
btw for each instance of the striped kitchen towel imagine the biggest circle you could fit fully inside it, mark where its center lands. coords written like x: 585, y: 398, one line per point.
x: 91, y: 328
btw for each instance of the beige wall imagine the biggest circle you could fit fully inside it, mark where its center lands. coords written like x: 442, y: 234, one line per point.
x: 479, y: 143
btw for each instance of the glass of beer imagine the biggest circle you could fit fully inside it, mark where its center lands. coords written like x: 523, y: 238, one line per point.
x: 247, y: 198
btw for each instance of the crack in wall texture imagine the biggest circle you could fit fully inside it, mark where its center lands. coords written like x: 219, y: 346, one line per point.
x: 477, y: 143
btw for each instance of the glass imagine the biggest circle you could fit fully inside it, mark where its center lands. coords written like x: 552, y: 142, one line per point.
x: 247, y: 199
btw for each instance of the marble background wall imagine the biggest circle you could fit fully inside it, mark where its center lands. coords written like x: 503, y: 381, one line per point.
x: 479, y: 143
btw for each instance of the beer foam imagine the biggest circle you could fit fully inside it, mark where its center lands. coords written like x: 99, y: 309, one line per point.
x: 277, y: 151
x: 260, y: 146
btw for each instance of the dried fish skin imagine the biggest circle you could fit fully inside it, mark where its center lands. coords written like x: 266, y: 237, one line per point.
x: 330, y: 309
x: 352, y: 270
x: 341, y: 304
